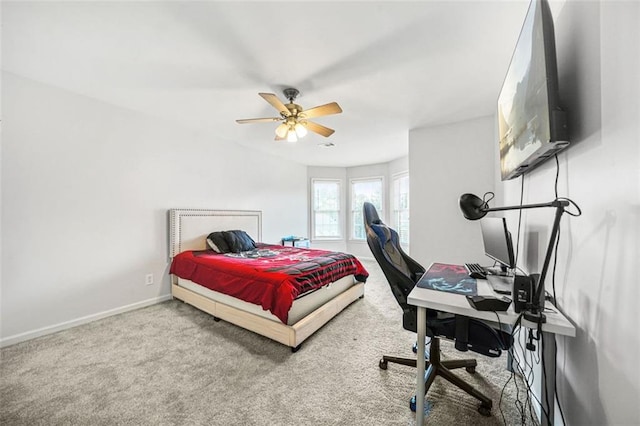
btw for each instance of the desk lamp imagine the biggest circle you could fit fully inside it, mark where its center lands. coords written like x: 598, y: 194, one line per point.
x: 474, y: 208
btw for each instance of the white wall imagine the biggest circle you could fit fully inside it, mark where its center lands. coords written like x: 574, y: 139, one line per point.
x: 598, y: 46
x: 399, y: 165
x: 1, y: 209
x: 85, y: 191
x: 444, y: 163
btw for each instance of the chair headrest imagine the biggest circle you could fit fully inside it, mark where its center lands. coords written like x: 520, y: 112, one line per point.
x: 370, y: 214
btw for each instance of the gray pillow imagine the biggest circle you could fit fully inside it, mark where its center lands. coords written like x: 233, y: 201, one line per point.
x: 218, y: 243
x: 239, y: 241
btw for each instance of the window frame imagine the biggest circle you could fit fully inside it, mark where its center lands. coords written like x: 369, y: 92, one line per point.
x: 340, y: 235
x: 380, y: 210
x: 394, y: 217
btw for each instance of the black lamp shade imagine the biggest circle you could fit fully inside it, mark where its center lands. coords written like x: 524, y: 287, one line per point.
x: 472, y: 206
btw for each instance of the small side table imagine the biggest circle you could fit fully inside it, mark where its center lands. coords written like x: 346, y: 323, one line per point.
x: 295, y: 241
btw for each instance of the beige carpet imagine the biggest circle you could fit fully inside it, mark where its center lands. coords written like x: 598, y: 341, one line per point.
x: 170, y: 364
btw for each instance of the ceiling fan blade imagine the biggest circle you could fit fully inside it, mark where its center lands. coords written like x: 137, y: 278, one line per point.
x: 318, y: 128
x: 258, y: 120
x: 327, y: 109
x: 278, y: 138
x: 276, y: 103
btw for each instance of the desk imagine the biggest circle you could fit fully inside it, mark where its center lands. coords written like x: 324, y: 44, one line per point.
x: 457, y: 304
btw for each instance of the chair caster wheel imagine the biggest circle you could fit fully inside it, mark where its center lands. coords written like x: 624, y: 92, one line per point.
x: 485, y: 411
x: 470, y: 370
x: 382, y: 364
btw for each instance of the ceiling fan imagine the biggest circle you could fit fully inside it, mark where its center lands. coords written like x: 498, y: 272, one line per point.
x: 294, y: 119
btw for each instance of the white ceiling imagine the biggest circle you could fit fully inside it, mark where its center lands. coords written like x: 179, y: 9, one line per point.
x: 392, y: 66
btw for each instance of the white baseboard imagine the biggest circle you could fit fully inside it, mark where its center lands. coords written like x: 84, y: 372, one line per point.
x: 23, y: 337
x: 371, y: 258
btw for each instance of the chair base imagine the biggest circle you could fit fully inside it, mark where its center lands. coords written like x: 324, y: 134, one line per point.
x: 436, y: 367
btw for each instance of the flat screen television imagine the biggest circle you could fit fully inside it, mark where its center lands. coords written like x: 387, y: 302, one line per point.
x: 497, y: 242
x: 531, y: 125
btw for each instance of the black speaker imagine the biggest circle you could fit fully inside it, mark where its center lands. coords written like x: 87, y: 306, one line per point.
x: 522, y: 292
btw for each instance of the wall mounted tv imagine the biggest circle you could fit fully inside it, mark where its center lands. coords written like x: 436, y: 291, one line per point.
x: 532, y: 127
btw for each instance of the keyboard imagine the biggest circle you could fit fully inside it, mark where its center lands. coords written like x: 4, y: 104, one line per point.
x: 475, y: 271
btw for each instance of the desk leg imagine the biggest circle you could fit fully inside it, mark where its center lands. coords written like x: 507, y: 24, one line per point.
x: 422, y: 331
x: 548, y: 380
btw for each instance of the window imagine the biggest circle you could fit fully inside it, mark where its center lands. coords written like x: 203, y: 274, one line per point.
x: 364, y: 190
x: 326, y: 209
x: 400, y: 206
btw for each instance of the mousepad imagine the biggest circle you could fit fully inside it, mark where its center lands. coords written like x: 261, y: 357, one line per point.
x: 450, y: 278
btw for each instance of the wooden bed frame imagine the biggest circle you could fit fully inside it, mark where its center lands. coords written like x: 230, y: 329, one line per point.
x: 188, y: 230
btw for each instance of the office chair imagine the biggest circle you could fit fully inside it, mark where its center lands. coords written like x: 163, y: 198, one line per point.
x: 402, y: 273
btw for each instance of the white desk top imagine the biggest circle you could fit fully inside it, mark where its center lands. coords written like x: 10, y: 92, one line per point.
x: 457, y: 304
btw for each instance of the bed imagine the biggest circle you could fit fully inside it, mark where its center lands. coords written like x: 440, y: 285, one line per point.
x: 309, y: 310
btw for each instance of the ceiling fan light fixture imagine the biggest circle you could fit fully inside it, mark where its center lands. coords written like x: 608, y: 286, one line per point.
x: 291, y: 136
x: 301, y: 131
x: 282, y: 130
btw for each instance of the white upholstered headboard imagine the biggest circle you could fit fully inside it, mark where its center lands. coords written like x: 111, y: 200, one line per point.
x: 188, y: 228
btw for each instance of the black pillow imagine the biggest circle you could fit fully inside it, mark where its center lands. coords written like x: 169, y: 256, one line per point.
x: 218, y: 243
x: 239, y: 241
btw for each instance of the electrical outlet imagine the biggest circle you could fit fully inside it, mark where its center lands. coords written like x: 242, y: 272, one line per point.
x: 148, y: 279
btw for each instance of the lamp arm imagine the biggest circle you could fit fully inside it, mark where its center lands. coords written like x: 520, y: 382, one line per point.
x: 547, y: 258
x: 554, y: 203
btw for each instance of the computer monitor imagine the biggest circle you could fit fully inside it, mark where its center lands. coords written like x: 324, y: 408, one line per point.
x: 497, y: 241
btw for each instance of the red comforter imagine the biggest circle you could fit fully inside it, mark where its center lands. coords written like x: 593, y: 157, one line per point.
x: 271, y: 276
